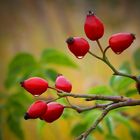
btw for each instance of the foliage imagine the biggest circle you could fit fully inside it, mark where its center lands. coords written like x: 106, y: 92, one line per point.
x: 24, y: 65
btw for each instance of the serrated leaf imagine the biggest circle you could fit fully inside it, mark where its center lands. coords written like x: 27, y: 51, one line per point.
x: 20, y: 67
x: 15, y: 126
x: 53, y: 56
x: 100, y: 90
x: 136, y: 57
x: 51, y: 74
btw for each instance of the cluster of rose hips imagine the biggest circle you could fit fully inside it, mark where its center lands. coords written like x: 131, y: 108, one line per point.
x: 40, y: 109
x: 94, y: 30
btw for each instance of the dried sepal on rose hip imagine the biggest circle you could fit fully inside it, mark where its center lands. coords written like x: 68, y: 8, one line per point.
x: 78, y: 46
x: 36, y: 110
x: 54, y: 111
x: 63, y: 84
x: 121, y: 41
x: 94, y: 28
x: 35, y: 85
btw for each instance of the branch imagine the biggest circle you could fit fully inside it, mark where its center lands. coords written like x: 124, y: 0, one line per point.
x: 90, y: 97
x: 106, y: 61
x: 129, y: 102
x: 82, y: 109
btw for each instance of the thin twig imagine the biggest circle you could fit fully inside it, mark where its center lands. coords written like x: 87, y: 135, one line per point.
x: 98, y: 42
x: 90, y: 97
x: 83, y: 109
x: 95, y: 97
x: 94, y: 55
x: 129, y: 102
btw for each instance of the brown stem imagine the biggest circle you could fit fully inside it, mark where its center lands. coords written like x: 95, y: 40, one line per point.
x: 129, y: 102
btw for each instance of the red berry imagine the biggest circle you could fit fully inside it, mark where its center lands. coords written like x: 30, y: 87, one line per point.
x: 63, y: 84
x: 35, y: 85
x: 121, y: 41
x: 93, y: 27
x: 78, y: 46
x: 53, y: 112
x: 36, y: 110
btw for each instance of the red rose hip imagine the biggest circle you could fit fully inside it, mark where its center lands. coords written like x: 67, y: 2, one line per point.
x: 35, y: 85
x: 78, y: 46
x: 94, y: 28
x: 121, y: 41
x: 63, y: 84
x: 36, y: 109
x: 53, y: 112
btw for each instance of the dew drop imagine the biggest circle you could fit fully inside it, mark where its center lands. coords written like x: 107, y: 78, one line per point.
x: 36, y: 95
x: 79, y: 57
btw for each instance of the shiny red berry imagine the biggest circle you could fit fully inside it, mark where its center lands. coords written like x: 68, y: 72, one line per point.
x: 53, y: 112
x: 36, y: 110
x: 78, y: 46
x: 121, y: 41
x: 93, y: 27
x: 35, y: 85
x: 63, y: 84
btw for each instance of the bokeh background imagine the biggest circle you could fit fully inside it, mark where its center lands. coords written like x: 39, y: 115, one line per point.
x: 30, y: 26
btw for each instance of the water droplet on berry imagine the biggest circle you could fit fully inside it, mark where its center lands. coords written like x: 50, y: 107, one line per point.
x: 36, y: 95
x: 79, y: 57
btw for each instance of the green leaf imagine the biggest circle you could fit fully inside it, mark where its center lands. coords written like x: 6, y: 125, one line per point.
x: 20, y: 67
x: 40, y: 125
x: 3, y: 95
x: 125, y: 67
x: 134, y: 134
x: 1, y: 134
x: 111, y: 137
x: 131, y: 92
x: 121, y: 119
x: 90, y: 116
x: 90, y: 138
x: 78, y: 128
x: 16, y: 104
x: 51, y: 74
x: 100, y: 129
x: 136, y: 57
x: 53, y: 56
x: 120, y: 83
x: 100, y: 90
x: 15, y: 126
x: 69, y: 114
x: 110, y: 125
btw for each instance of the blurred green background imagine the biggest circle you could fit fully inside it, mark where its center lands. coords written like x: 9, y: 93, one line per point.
x: 32, y: 43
